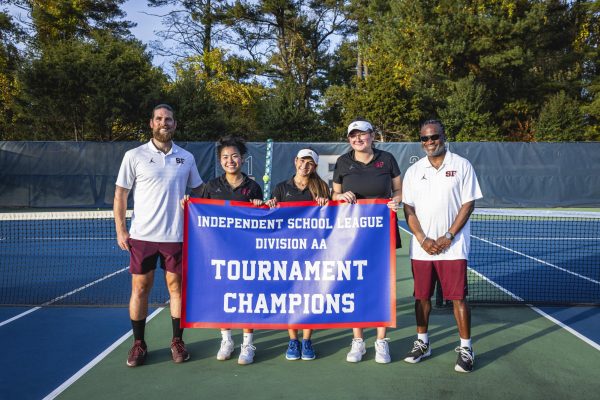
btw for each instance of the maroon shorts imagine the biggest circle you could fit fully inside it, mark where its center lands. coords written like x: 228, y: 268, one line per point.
x: 452, y: 275
x: 144, y: 255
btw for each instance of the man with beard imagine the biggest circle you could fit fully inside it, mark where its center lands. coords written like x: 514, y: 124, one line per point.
x: 439, y: 193
x: 158, y: 173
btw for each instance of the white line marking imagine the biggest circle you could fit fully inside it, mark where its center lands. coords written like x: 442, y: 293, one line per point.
x: 538, y: 260
x: 84, y: 286
x: 537, y: 310
x: 64, y: 296
x: 95, y: 361
x: 567, y: 328
x: 16, y: 317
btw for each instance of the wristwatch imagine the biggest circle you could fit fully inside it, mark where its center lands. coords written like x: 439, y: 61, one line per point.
x: 449, y: 236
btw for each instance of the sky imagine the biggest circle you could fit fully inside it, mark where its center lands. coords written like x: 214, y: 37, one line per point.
x: 137, y: 11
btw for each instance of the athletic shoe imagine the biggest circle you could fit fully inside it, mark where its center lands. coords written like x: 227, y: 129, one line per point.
x: 465, y: 360
x: 382, y: 351
x: 419, y: 351
x: 178, y: 351
x: 226, y: 349
x: 356, y: 351
x: 137, y: 354
x: 293, y: 351
x: 246, y: 354
x: 307, y: 350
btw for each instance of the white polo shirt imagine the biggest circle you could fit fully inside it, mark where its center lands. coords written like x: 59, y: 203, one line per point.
x: 158, y: 182
x: 437, y: 195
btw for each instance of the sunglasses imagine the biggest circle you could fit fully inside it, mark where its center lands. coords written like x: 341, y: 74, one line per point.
x: 432, y: 137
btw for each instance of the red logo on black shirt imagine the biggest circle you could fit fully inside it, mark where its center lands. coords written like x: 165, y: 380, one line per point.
x: 450, y: 173
x: 378, y: 164
x: 245, y: 191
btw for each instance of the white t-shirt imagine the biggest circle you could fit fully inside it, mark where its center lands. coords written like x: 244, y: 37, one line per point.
x: 158, y: 182
x: 437, y: 195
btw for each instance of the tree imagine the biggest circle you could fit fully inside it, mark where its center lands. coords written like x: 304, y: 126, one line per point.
x: 10, y: 59
x: 210, y: 101
x: 466, y: 114
x: 560, y: 120
x: 100, y: 89
x: 55, y: 20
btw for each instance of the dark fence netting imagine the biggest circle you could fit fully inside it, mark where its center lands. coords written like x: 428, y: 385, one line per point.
x: 82, y: 174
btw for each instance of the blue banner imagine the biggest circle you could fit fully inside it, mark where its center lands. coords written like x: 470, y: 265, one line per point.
x: 295, y: 266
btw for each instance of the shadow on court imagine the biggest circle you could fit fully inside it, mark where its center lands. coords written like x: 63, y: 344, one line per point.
x: 519, y: 354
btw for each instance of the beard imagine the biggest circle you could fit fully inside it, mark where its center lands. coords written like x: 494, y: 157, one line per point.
x: 438, y: 151
x: 162, y: 135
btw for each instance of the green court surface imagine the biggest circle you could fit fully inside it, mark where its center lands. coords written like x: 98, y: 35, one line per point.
x: 519, y: 355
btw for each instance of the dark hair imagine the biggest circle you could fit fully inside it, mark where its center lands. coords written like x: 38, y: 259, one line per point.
x: 165, y: 106
x: 442, y: 128
x: 232, y: 141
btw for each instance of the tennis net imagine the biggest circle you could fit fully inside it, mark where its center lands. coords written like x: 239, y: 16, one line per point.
x: 534, y: 257
x: 517, y: 256
x: 65, y: 258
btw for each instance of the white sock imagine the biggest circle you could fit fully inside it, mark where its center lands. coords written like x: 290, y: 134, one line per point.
x: 248, y: 338
x: 424, y: 337
x: 465, y: 342
x: 226, y: 335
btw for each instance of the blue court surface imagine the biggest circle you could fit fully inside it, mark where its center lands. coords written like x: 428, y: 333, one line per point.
x: 49, y: 347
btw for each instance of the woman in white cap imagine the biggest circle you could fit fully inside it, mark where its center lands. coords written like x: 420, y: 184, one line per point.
x: 367, y: 173
x: 305, y: 185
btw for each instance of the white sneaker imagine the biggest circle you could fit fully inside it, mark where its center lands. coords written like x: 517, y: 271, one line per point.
x: 382, y: 351
x: 356, y: 351
x: 246, y: 354
x: 226, y: 349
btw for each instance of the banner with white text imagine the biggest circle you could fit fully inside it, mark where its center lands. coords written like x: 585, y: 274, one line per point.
x: 298, y: 265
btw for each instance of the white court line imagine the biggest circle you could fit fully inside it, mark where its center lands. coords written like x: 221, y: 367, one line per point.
x: 96, y: 360
x: 87, y: 285
x: 537, y: 310
x: 8, y: 321
x: 538, y: 260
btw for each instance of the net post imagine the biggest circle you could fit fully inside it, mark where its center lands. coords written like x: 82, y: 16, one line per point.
x: 267, y: 175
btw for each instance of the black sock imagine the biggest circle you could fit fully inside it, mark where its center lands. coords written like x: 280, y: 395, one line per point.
x: 138, y: 329
x: 177, y: 330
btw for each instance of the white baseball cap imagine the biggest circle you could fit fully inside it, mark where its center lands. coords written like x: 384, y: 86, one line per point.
x: 363, y: 126
x: 308, y: 153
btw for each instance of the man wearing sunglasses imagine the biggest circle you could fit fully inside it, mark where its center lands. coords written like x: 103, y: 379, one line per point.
x: 439, y: 193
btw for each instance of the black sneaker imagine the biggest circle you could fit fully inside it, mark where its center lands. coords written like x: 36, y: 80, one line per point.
x: 465, y: 360
x: 419, y: 351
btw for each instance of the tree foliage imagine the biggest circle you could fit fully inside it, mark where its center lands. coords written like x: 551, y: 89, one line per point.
x: 294, y: 70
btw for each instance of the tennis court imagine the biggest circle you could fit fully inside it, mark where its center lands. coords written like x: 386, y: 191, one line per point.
x: 77, y: 352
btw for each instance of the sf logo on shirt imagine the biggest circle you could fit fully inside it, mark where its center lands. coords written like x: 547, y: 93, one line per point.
x: 450, y: 173
x: 180, y: 160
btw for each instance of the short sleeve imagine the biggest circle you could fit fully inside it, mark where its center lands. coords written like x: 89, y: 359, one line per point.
x: 126, y: 177
x: 278, y: 192
x: 337, y: 176
x: 194, y: 179
x: 470, y: 189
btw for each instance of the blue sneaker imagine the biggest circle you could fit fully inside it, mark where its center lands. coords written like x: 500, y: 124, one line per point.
x: 293, y: 351
x: 307, y: 350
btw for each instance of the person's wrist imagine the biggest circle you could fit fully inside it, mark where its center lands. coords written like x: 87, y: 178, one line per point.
x: 423, y: 241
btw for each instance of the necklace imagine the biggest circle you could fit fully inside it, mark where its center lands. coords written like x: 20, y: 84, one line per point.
x: 300, y: 185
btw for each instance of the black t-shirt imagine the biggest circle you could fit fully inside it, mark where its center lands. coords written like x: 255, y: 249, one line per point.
x: 220, y: 189
x: 288, y: 191
x: 367, y: 181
